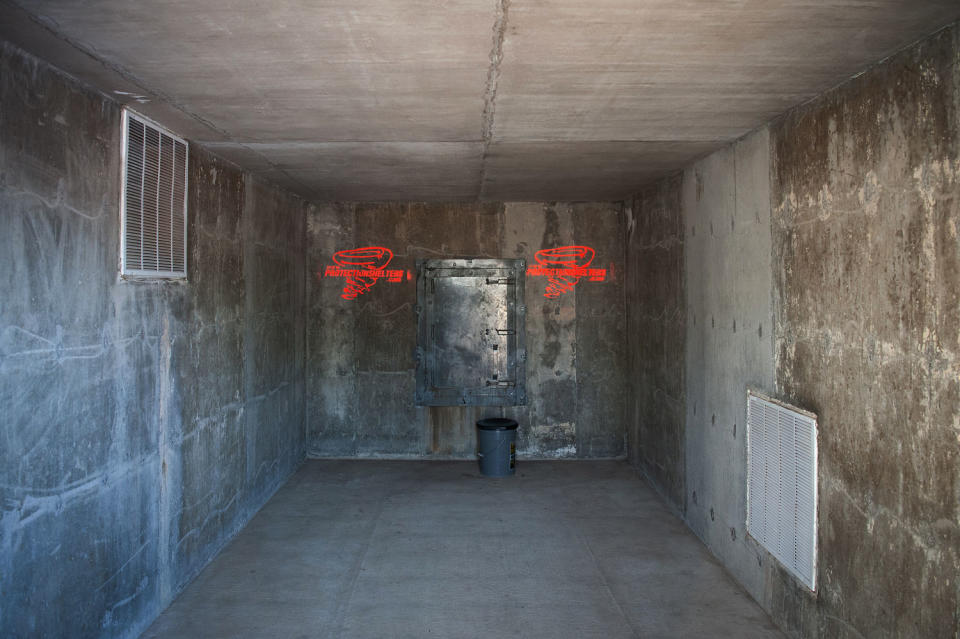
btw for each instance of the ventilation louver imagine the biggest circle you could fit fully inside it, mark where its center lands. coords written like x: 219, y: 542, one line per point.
x: 153, y: 202
x: 782, y: 484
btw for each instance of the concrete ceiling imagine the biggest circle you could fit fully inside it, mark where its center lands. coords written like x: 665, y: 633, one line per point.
x: 465, y: 99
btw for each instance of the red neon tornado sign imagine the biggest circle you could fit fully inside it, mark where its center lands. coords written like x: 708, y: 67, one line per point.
x: 362, y: 267
x: 563, y: 267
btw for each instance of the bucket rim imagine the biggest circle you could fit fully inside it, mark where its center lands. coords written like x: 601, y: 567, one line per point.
x: 497, y: 423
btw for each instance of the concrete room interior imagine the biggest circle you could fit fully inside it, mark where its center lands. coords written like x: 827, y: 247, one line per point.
x: 771, y: 188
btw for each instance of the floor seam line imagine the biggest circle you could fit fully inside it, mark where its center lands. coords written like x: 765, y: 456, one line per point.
x: 603, y: 577
x: 606, y: 586
x: 346, y: 594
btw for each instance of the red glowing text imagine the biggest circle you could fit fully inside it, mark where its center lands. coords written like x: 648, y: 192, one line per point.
x: 563, y: 267
x: 362, y: 267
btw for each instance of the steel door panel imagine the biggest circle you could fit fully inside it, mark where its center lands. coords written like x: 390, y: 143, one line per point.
x: 470, y: 343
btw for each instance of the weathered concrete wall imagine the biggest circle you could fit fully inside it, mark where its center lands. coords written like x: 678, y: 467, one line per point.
x: 656, y: 334
x: 360, y: 369
x: 866, y: 188
x: 699, y: 300
x: 142, y: 423
x: 839, y: 224
x: 729, y: 341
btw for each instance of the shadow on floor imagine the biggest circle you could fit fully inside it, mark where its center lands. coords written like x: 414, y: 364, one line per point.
x: 419, y: 549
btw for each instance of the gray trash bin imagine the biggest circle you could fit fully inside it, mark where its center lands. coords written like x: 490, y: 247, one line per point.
x: 497, y: 446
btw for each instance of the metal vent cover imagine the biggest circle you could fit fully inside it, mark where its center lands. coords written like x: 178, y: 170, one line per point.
x: 782, y: 483
x: 153, y: 201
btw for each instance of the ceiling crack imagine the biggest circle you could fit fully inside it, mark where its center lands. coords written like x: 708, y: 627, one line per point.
x: 493, y: 79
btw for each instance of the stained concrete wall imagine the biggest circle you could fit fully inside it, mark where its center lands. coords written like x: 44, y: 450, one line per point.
x: 729, y: 340
x: 656, y: 334
x: 838, y: 224
x: 866, y: 194
x: 360, y: 368
x: 142, y: 424
x: 701, y: 332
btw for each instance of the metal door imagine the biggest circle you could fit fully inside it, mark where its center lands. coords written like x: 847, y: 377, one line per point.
x: 470, y: 337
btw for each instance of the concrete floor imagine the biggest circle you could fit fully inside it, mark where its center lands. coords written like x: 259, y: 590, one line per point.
x: 416, y: 549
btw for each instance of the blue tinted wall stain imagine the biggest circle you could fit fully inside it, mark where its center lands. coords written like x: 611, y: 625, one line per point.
x: 133, y: 442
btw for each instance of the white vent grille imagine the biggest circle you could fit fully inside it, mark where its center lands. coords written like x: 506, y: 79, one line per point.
x: 153, y: 201
x: 782, y: 484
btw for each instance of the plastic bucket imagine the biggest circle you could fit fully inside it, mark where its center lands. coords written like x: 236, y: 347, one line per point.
x: 497, y: 446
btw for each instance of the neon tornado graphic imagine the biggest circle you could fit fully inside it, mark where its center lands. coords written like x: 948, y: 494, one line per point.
x: 563, y: 267
x: 362, y: 267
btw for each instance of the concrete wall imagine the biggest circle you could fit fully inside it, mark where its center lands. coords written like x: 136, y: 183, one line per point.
x: 142, y: 424
x: 866, y: 194
x: 729, y: 340
x: 360, y: 368
x: 838, y: 223
x: 656, y: 334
